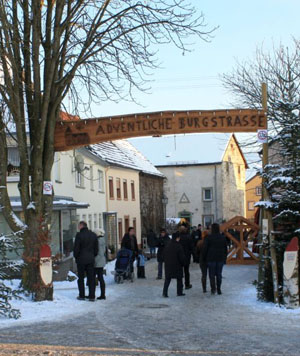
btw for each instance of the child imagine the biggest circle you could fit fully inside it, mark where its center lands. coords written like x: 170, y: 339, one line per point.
x: 141, y: 265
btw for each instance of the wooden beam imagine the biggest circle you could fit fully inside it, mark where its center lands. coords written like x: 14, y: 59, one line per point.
x: 74, y: 134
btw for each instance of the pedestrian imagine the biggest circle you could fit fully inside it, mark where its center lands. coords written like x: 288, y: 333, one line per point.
x: 100, y: 261
x: 85, y: 250
x: 151, y: 242
x: 129, y: 242
x: 196, y: 236
x: 215, y: 254
x: 202, y: 263
x: 141, y: 261
x: 163, y: 240
x: 174, y: 259
x: 187, y: 244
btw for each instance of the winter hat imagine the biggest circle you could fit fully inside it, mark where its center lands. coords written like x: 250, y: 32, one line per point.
x: 99, y: 232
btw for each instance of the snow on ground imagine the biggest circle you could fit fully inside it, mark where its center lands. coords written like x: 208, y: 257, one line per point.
x: 65, y: 303
x: 62, y: 307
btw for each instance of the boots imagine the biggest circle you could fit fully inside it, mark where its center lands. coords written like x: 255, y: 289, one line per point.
x: 213, y: 285
x: 203, y: 280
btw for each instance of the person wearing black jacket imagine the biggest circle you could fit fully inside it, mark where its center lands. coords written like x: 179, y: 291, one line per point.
x: 187, y: 245
x: 215, y: 254
x: 85, y: 250
x: 163, y: 240
x: 174, y: 259
x: 152, y: 242
x: 129, y: 242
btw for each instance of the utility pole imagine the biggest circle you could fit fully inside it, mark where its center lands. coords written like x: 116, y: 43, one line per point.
x: 267, y: 221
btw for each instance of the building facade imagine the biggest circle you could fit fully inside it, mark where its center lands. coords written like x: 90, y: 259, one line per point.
x: 202, y: 185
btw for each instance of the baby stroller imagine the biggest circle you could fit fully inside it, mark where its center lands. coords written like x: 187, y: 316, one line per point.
x: 122, y: 267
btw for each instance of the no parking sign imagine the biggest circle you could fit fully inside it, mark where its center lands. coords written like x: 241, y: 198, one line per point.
x: 262, y: 136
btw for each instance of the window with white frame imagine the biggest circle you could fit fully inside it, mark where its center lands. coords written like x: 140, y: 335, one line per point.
x: 95, y: 221
x: 84, y: 218
x: 91, y: 177
x: 207, y: 194
x: 56, y: 167
x: 100, y: 221
x: 251, y: 205
x: 79, y: 179
x: 100, y: 181
x: 90, y: 221
x: 207, y: 221
x: 258, y: 190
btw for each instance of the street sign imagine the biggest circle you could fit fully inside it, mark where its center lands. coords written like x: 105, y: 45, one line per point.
x: 262, y: 136
x: 78, y: 133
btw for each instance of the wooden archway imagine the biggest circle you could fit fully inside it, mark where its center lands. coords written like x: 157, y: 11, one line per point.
x: 74, y: 133
x: 240, y: 232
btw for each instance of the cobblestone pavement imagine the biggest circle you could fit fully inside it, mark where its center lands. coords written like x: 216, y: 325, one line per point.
x: 136, y: 320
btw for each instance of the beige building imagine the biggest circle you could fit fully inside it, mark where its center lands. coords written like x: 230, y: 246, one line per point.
x: 253, y: 195
x: 205, y: 175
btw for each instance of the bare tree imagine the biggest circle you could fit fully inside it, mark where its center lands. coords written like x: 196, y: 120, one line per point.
x: 49, y: 49
x: 280, y: 69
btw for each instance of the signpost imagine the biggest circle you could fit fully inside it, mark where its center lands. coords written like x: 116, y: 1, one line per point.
x: 291, y: 275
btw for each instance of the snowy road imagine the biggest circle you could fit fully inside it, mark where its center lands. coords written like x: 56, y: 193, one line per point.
x: 136, y: 320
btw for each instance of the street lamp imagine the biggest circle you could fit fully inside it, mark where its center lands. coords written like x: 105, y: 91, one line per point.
x: 164, y: 201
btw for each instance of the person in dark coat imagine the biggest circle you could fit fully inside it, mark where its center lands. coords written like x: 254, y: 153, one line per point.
x: 196, y: 236
x: 163, y: 240
x: 215, y: 254
x: 151, y: 242
x: 85, y: 250
x: 187, y: 245
x: 129, y: 242
x: 202, y: 263
x: 174, y: 259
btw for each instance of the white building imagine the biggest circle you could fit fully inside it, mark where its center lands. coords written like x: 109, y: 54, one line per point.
x: 124, y: 165
x: 205, y: 175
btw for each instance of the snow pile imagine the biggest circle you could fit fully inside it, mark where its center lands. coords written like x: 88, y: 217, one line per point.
x: 62, y: 307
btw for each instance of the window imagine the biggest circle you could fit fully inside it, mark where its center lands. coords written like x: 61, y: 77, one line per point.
x: 78, y: 179
x: 56, y: 167
x: 91, y: 177
x: 251, y: 205
x: 100, y: 181
x: 239, y: 169
x: 258, y: 190
x: 126, y: 220
x: 111, y: 187
x: 207, y: 194
x: 118, y: 184
x: 120, y: 229
x: 84, y: 217
x: 207, y: 220
x: 132, y: 190
x: 125, y: 192
x: 100, y: 221
x: 95, y: 221
x: 90, y: 221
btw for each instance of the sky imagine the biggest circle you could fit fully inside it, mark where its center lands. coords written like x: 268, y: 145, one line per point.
x: 192, y: 81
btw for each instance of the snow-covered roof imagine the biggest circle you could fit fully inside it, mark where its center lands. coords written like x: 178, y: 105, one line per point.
x: 59, y: 203
x: 123, y: 153
x: 183, y: 149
